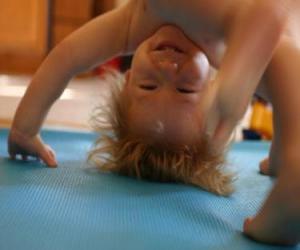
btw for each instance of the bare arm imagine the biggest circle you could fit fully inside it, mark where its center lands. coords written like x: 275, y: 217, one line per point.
x: 96, y: 42
x: 99, y: 40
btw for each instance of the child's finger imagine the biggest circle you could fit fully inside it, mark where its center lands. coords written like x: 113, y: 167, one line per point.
x: 11, y: 152
x: 52, y: 156
x: 47, y: 156
x: 264, y: 167
x: 12, y: 155
x: 24, y: 157
x: 51, y: 151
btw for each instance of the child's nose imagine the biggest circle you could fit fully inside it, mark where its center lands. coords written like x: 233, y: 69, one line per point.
x: 168, y: 68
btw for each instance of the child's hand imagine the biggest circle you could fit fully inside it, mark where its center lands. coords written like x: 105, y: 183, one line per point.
x: 20, y: 144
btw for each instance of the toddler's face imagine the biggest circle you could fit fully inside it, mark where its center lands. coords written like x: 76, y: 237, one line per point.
x: 168, y: 89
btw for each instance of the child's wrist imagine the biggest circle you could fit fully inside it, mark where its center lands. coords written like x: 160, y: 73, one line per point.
x: 21, y: 133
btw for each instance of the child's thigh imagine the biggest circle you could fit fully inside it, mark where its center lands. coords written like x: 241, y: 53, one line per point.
x: 279, y: 72
x: 283, y: 88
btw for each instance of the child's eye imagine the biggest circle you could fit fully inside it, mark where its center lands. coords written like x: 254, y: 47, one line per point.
x: 148, y: 87
x: 185, y: 91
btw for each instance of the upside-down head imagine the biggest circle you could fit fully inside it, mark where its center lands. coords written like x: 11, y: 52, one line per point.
x: 159, y: 118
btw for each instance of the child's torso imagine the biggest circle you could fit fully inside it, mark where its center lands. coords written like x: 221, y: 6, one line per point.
x: 204, y: 22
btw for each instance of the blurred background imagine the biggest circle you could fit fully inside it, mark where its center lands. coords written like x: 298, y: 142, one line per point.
x: 29, y: 29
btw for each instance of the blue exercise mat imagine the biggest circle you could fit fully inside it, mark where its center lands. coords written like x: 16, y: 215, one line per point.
x: 75, y: 207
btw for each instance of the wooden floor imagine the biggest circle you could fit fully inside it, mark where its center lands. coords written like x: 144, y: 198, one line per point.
x: 71, y: 111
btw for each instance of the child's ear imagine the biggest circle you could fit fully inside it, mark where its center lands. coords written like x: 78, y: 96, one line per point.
x: 127, y: 77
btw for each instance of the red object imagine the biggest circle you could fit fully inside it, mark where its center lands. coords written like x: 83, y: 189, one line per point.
x: 112, y: 64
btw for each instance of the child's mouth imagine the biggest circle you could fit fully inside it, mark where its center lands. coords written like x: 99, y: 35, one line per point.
x: 167, y: 46
x: 167, y: 50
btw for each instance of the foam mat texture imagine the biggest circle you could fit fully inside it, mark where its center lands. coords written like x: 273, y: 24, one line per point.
x: 76, y: 207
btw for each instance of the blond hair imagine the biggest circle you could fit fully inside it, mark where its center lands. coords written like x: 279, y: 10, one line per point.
x: 118, y: 151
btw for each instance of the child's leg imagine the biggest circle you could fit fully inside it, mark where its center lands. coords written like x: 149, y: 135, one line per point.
x: 283, y: 87
x: 279, y: 219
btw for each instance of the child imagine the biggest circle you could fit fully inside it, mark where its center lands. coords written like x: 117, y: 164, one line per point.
x: 172, y: 120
